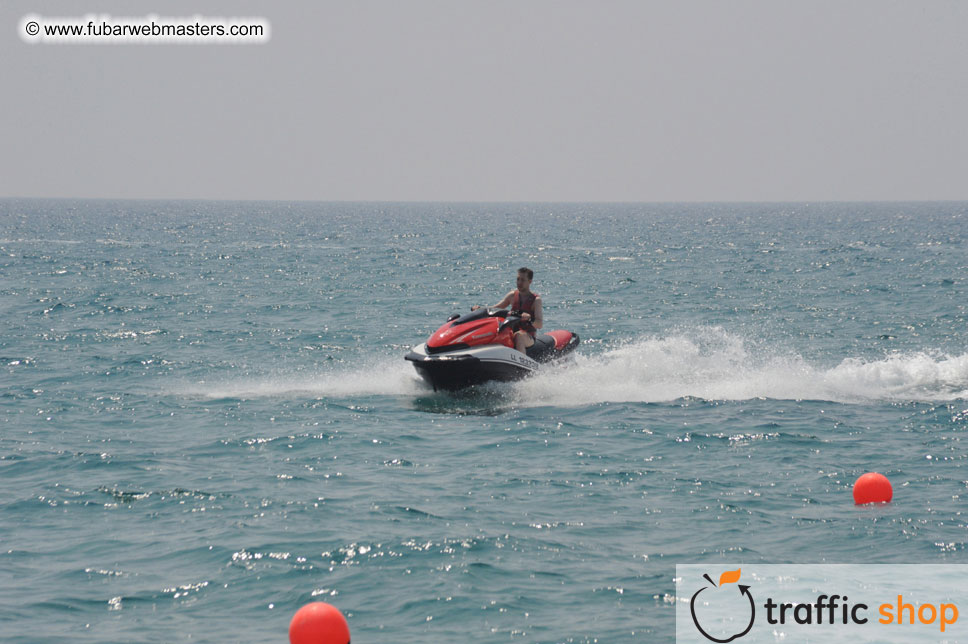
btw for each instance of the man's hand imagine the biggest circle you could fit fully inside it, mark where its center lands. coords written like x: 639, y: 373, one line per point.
x: 475, y: 307
x: 526, y: 317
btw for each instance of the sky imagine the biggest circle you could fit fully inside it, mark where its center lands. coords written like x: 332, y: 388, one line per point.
x: 523, y: 100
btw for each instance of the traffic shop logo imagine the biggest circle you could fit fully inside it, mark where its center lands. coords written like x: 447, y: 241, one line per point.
x: 724, y: 596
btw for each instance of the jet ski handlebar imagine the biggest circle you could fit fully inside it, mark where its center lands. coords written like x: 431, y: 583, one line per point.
x: 510, y: 319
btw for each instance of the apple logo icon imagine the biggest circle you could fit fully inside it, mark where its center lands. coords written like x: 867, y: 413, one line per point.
x: 720, y: 605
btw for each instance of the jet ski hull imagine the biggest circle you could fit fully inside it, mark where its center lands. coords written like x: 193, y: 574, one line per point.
x: 466, y: 366
x: 462, y: 368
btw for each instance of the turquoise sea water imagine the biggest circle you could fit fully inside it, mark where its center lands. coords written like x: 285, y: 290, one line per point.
x: 206, y: 420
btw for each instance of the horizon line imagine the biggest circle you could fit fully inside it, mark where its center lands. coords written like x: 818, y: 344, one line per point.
x: 496, y: 202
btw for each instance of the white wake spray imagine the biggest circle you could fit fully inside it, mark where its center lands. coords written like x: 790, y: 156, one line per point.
x: 707, y: 363
x: 714, y: 365
x: 388, y: 377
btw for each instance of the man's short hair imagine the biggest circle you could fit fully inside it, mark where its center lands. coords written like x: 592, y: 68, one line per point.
x: 528, y: 272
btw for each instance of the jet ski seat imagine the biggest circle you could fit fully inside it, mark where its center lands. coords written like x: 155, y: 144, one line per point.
x: 542, y: 348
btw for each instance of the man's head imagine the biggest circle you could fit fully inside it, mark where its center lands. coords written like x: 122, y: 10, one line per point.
x: 525, y: 275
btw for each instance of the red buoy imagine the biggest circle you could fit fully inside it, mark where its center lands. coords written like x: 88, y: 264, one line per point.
x: 319, y: 623
x: 872, y: 488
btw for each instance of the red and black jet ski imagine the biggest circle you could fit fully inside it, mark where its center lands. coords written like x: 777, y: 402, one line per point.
x: 477, y: 347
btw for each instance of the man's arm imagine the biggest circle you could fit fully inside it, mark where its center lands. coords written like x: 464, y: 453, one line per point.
x: 500, y: 305
x: 506, y: 301
x: 538, y: 320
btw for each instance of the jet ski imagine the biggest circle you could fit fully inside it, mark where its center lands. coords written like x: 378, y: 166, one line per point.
x: 478, y: 347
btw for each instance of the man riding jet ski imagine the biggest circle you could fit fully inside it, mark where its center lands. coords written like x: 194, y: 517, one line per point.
x: 491, y: 344
x: 528, y: 307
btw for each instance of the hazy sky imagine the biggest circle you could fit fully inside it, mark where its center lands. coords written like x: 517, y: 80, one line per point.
x: 523, y: 100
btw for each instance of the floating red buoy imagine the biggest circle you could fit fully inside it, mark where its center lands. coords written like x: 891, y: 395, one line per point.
x: 872, y: 488
x: 319, y: 623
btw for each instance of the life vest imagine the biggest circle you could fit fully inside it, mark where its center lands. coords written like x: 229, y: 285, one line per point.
x: 525, y: 305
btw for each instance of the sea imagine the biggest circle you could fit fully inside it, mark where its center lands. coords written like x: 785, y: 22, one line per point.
x: 206, y: 420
